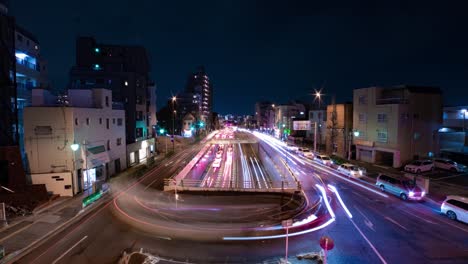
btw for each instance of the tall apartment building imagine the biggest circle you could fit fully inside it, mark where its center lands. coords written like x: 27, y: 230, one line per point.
x: 28, y: 72
x: 125, y: 71
x: 72, y: 146
x: 197, y: 98
x: 396, y: 124
x: 338, y: 127
x: 265, y: 115
x: 11, y: 169
x: 31, y: 73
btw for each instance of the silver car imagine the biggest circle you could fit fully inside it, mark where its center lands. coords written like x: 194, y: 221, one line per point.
x: 400, y: 186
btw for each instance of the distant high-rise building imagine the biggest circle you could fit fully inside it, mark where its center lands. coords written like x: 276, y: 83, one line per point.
x: 125, y: 71
x: 198, y: 96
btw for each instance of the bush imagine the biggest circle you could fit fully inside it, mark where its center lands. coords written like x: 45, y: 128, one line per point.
x: 338, y: 160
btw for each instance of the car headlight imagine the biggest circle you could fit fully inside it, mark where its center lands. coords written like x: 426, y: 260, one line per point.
x: 411, y: 194
x: 423, y: 193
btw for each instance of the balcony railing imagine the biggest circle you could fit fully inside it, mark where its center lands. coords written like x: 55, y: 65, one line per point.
x: 27, y: 64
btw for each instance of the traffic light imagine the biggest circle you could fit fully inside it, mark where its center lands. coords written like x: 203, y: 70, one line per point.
x: 201, y: 124
x: 161, y: 131
x: 97, y: 50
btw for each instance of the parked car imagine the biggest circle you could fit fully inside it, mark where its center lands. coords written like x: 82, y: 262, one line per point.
x: 400, y: 186
x: 419, y: 166
x: 349, y: 169
x: 324, y: 159
x: 450, y: 165
x: 306, y: 153
x: 456, y: 208
x: 292, y: 147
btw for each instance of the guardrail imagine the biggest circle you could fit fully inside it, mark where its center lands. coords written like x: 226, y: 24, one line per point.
x: 232, y: 186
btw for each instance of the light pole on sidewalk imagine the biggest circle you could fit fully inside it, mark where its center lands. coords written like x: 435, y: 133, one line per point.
x: 173, y: 120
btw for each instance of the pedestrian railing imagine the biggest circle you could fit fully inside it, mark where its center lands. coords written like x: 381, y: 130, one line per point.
x: 233, y: 186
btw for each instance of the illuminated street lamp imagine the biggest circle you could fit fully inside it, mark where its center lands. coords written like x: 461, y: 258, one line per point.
x: 318, y: 96
x: 74, y: 146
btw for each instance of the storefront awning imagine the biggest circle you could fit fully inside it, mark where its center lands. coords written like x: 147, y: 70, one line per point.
x: 97, y: 156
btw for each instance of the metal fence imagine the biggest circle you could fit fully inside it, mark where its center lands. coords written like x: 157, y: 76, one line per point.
x: 236, y: 186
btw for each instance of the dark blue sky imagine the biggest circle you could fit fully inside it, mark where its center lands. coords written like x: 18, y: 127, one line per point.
x: 257, y: 50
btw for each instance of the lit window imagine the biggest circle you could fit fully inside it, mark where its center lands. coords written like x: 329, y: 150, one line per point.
x: 382, y: 136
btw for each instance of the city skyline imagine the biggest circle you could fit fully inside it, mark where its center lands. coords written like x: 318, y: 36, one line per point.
x: 264, y: 48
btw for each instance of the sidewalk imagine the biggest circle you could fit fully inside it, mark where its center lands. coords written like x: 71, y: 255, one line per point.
x: 28, y: 231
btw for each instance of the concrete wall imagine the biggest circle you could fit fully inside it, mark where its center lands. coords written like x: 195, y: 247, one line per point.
x: 56, y: 183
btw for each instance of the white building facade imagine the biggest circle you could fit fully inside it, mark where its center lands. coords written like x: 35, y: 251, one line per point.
x: 70, y: 147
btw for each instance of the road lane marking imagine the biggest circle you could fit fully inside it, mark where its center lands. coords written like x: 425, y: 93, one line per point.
x: 16, y: 232
x: 415, y: 215
x: 107, y: 204
x: 330, y: 172
x: 395, y: 222
x: 368, y: 242
x: 366, y: 220
x: 70, y: 249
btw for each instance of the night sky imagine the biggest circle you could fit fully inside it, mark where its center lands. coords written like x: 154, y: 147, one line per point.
x: 266, y: 50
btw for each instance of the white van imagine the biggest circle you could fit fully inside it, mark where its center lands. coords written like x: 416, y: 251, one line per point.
x: 456, y: 208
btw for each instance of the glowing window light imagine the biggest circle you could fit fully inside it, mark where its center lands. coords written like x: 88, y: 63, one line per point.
x: 20, y: 55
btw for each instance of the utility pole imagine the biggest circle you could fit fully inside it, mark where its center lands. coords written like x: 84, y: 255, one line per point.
x: 315, y: 137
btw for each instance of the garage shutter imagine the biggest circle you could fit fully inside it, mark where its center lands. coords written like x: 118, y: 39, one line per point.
x: 366, y: 155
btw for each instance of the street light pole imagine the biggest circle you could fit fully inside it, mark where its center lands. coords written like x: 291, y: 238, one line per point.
x: 173, y: 120
x: 74, y: 148
x: 350, y: 140
x: 315, y: 137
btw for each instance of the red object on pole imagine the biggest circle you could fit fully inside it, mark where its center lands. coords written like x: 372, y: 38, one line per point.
x: 326, y: 243
x: 286, y: 224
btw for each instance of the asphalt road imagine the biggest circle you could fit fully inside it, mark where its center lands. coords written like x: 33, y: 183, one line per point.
x: 381, y: 230
x: 385, y: 229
